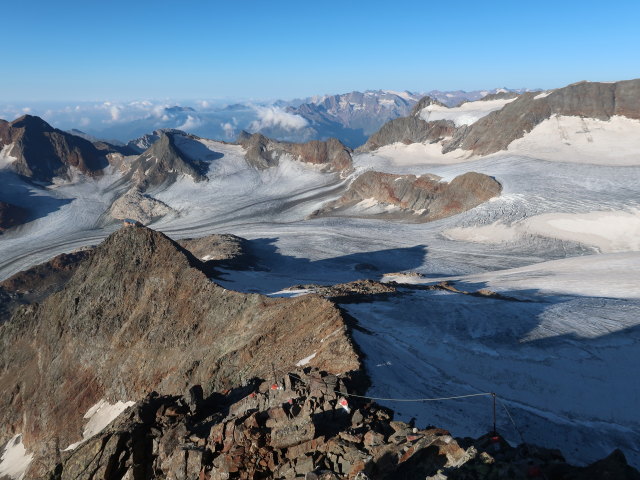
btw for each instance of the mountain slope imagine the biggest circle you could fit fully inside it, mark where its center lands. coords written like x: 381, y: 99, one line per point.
x: 600, y: 101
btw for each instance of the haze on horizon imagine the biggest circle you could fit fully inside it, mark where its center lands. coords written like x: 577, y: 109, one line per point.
x: 86, y: 51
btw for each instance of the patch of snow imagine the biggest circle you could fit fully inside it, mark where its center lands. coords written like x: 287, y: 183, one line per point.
x: 15, y: 460
x: 6, y: 159
x: 98, y: 417
x: 306, y: 360
x: 465, y: 114
x: 583, y: 140
x: 543, y: 95
x: 398, y: 155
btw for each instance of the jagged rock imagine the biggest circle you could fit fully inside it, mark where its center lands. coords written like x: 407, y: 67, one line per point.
x: 139, y: 315
x: 11, y: 216
x: 162, y: 163
x: 420, y: 199
x: 43, y: 152
x: 262, y: 152
x: 138, y: 206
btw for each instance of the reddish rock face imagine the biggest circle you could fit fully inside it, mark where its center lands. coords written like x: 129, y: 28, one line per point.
x: 419, y: 199
x: 43, y: 152
x: 139, y: 315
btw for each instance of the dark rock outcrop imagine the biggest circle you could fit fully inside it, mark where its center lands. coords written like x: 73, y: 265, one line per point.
x: 43, y: 152
x: 11, y: 216
x: 140, y: 315
x: 302, y: 425
x: 409, y: 130
x: 420, y: 199
x: 262, y: 152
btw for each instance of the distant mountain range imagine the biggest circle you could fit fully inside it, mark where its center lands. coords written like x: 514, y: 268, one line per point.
x: 350, y: 117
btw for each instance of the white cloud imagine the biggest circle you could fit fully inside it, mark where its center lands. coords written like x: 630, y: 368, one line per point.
x: 276, y: 117
x: 85, y: 121
x: 229, y: 130
x: 114, y: 110
x: 190, y: 123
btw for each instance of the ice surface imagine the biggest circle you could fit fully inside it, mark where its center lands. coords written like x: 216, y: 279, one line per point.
x: 583, y: 140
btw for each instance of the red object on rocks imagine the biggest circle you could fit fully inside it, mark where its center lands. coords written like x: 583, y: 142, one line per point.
x: 534, y: 471
x: 495, y: 439
x: 274, y: 386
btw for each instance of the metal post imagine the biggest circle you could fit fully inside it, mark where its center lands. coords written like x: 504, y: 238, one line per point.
x: 495, y: 432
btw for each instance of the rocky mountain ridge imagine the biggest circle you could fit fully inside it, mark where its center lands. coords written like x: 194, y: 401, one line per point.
x: 262, y: 152
x: 495, y: 131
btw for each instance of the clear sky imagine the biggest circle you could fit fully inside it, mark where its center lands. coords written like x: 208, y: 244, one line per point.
x: 119, y: 50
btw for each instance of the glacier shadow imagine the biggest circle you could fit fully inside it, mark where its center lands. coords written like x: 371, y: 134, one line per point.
x: 31, y: 197
x: 272, y: 270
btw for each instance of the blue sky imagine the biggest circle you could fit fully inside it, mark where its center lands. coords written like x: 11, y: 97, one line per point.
x: 119, y: 50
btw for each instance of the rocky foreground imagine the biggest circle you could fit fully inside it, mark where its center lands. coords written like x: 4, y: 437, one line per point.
x: 301, y: 425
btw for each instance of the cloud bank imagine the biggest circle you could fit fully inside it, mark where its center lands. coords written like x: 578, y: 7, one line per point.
x: 271, y: 116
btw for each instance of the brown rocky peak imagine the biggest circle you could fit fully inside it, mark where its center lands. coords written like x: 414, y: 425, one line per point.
x: 44, y: 152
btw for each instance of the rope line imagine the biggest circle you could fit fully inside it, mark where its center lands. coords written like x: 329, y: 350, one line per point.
x: 436, y: 399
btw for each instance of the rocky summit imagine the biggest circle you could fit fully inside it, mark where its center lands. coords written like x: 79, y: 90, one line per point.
x: 140, y: 315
